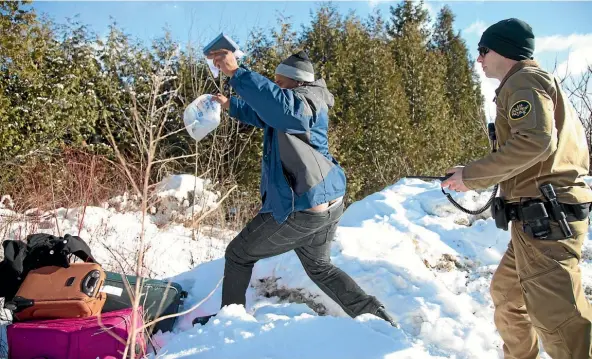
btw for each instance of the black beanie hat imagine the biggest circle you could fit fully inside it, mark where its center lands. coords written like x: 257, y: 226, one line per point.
x: 511, y: 38
x: 297, y: 67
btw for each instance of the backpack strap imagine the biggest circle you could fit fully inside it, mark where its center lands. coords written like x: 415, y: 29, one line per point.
x: 45, y: 249
x: 78, y: 247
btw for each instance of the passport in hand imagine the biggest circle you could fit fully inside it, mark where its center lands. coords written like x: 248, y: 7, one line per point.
x: 221, y: 42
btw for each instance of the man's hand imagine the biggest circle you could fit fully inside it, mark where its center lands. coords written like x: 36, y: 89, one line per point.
x: 222, y: 100
x: 455, y: 182
x: 225, y: 61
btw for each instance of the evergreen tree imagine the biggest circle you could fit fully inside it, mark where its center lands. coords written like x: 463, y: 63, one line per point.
x: 407, y: 97
x: 462, y: 90
x: 24, y: 42
x: 118, y: 58
x: 370, y: 107
x: 423, y: 77
x: 389, y: 111
x: 322, y: 38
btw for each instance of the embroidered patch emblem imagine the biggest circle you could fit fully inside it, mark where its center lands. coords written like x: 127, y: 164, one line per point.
x: 519, y: 110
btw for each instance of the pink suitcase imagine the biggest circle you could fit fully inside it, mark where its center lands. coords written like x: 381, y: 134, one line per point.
x: 77, y: 338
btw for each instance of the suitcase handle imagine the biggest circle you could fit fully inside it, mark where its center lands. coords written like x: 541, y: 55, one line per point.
x: 89, y: 282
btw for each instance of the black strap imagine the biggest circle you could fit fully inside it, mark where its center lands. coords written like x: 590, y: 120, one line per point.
x: 579, y: 211
x: 45, y: 249
x: 573, y: 212
x: 76, y: 246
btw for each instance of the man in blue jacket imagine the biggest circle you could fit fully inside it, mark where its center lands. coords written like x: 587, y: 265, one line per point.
x: 302, y: 185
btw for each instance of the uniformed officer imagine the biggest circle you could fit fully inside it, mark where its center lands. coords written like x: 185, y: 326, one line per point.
x: 537, y: 287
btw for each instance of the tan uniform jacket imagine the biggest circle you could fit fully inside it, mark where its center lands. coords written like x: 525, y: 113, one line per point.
x: 540, y: 139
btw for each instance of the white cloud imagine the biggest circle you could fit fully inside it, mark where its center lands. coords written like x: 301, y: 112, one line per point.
x: 476, y: 28
x: 373, y: 3
x: 432, y: 12
x: 579, y: 57
x: 556, y: 43
x: 579, y: 47
x: 577, y: 62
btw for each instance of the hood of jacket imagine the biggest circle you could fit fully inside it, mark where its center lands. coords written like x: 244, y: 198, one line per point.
x: 317, y: 91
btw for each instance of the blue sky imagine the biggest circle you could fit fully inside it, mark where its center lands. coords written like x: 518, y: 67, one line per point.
x: 201, y: 20
x: 563, y: 31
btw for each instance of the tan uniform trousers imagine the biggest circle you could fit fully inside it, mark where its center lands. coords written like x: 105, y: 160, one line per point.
x: 537, y: 289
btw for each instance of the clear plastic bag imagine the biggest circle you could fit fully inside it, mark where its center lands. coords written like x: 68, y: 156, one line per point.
x: 202, y: 116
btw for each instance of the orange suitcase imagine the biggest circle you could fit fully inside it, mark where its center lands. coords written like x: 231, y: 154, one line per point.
x: 53, y: 292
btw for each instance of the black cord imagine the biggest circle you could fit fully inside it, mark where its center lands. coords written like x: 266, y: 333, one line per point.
x: 473, y: 212
x: 493, y: 139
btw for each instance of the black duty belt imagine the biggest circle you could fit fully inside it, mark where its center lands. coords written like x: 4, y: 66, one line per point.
x: 573, y: 212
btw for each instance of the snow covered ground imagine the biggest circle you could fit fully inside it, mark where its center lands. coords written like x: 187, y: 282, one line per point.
x: 429, y: 263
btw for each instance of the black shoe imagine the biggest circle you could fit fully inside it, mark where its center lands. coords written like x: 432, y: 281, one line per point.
x: 202, y: 320
x: 381, y: 313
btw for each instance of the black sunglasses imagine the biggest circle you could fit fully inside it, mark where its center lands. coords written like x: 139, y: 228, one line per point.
x: 483, y: 50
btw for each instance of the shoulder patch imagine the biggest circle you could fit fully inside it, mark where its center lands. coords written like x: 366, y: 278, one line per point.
x: 519, y: 110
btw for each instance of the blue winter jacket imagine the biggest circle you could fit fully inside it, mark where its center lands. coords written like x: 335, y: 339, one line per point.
x: 297, y: 170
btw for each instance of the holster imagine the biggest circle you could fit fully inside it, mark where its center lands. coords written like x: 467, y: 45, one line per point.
x: 536, y: 222
x: 498, y: 212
